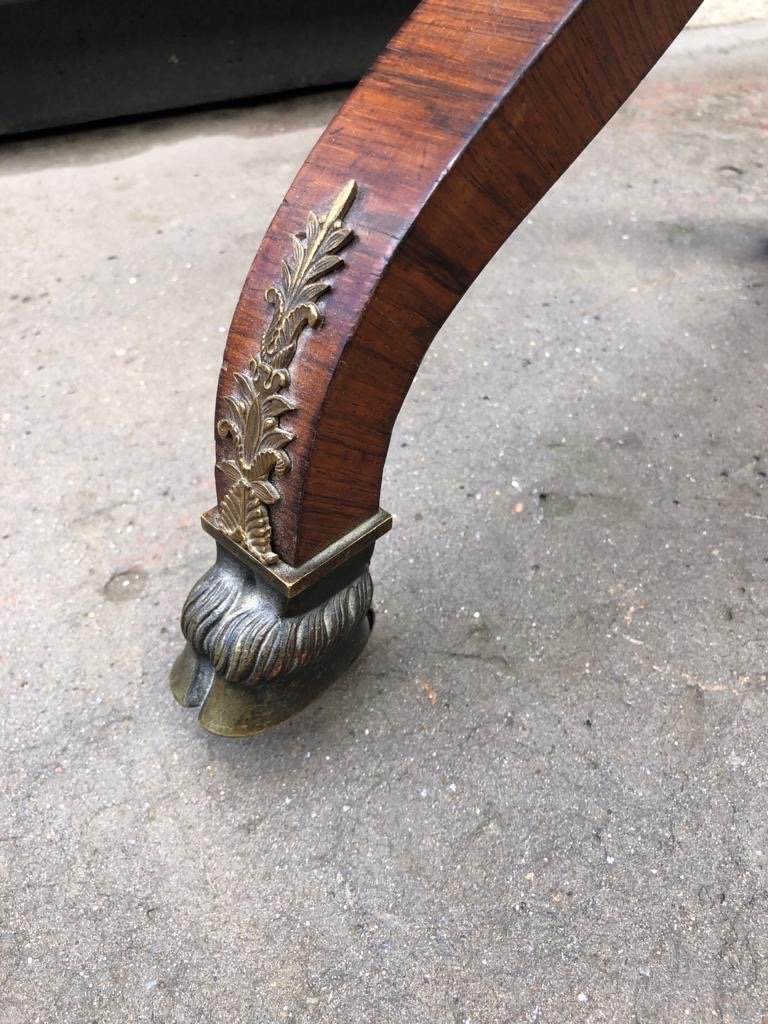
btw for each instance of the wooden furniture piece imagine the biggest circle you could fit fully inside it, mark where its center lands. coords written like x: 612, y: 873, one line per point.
x: 469, y: 116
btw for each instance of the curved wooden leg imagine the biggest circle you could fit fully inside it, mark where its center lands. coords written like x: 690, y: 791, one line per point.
x: 470, y: 115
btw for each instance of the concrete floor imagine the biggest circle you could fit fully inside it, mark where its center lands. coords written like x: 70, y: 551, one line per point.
x: 729, y: 11
x: 726, y: 12
x: 541, y: 793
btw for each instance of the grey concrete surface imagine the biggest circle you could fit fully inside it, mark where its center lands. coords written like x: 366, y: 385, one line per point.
x: 726, y: 12
x: 541, y: 793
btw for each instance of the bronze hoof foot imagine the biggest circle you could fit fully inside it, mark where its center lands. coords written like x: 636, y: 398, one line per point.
x: 254, y: 657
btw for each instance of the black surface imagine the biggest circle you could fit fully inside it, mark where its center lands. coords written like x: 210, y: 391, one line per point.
x: 66, y: 64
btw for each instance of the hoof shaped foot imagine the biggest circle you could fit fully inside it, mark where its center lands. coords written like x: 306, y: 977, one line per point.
x: 254, y: 658
x: 235, y: 709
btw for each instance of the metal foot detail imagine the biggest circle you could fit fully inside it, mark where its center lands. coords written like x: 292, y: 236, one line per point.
x: 254, y: 656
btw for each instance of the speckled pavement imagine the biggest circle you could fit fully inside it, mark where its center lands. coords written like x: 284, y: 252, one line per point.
x: 540, y: 795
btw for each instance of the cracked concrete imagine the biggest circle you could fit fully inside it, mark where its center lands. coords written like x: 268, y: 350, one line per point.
x: 540, y: 795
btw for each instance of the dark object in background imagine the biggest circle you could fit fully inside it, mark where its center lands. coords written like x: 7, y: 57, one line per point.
x: 88, y: 60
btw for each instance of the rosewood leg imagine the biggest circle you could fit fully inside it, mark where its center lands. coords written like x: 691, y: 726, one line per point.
x: 469, y: 116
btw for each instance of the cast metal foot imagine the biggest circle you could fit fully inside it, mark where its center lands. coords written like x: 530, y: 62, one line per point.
x: 254, y: 656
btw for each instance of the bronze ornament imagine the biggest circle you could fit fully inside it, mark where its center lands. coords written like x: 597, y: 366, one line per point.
x: 253, y: 423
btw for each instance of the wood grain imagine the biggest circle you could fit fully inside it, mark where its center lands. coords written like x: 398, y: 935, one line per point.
x: 469, y: 116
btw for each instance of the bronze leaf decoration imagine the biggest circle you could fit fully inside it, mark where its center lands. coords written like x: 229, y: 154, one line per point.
x: 259, y: 458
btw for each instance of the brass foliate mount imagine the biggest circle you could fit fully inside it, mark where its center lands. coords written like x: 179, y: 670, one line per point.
x: 259, y: 458
x: 264, y: 638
